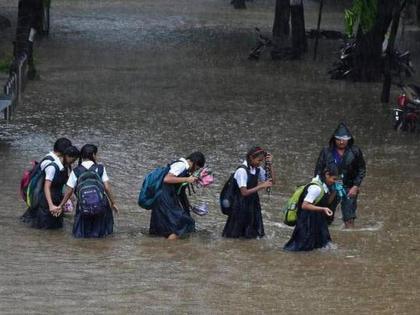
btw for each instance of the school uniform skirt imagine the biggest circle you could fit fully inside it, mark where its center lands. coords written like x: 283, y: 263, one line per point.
x: 246, y: 219
x: 95, y: 226
x: 311, y: 232
x: 40, y: 217
x: 170, y: 213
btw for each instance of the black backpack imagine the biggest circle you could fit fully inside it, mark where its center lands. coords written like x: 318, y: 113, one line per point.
x: 90, y: 190
x: 229, y: 190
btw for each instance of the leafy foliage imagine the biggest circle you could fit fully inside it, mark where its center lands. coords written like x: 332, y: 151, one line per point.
x: 362, y: 13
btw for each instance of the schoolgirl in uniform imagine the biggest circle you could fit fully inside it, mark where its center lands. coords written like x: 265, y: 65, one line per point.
x: 171, y: 216
x: 311, y: 230
x: 245, y: 219
x: 47, y: 214
x: 71, y: 154
x: 99, y: 225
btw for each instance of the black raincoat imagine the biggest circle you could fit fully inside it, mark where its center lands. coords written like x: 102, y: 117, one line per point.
x: 352, y: 166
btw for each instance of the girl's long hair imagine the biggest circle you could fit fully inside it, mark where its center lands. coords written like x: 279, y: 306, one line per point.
x: 331, y: 169
x: 253, y: 153
x: 197, y: 158
x: 87, y: 153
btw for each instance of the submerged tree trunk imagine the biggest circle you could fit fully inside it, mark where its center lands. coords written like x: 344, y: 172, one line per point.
x: 238, y: 4
x: 281, y: 28
x: 299, y: 42
x: 367, y: 59
x: 418, y: 12
x: 386, y: 88
x: 289, y: 12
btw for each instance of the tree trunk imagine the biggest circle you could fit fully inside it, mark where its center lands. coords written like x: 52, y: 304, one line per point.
x: 418, y: 12
x: 386, y: 88
x: 281, y: 28
x: 367, y: 58
x: 299, y: 42
x: 238, y: 4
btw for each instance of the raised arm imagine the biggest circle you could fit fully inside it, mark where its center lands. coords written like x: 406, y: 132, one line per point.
x: 172, y: 179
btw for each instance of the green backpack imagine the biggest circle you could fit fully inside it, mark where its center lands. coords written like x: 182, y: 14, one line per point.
x: 291, y: 208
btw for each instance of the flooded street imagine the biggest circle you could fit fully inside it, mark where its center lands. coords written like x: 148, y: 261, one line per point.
x: 149, y: 81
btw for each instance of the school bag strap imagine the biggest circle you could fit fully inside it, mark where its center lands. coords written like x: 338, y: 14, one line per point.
x: 90, y: 190
x: 229, y: 190
x: 321, y: 195
x: 292, y: 208
x: 52, y: 163
x: 32, y: 183
x: 98, y: 168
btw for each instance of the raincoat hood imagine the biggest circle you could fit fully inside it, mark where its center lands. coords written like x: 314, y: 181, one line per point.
x: 343, y: 132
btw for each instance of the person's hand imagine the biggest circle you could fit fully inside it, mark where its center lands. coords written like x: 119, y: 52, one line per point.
x: 266, y: 184
x: 269, y: 158
x: 327, y: 211
x: 192, y: 179
x: 353, y: 192
x: 55, y: 211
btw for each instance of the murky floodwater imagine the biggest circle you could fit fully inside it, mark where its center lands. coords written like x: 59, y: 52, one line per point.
x: 149, y: 81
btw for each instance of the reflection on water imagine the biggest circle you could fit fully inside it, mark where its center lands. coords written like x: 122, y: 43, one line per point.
x: 151, y: 81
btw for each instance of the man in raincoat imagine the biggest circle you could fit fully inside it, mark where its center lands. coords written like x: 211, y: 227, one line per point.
x: 352, y: 169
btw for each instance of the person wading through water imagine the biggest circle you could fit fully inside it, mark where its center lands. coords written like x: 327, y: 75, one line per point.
x: 351, y: 168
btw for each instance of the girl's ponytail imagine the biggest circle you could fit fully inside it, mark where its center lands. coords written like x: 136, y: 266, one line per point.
x: 88, y: 152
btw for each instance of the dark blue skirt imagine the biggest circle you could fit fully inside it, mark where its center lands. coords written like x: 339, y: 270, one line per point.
x: 170, y: 213
x: 97, y: 226
x: 245, y: 221
x: 41, y: 217
x: 311, y: 232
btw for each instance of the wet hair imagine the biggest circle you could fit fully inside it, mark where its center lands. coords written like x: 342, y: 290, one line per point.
x: 72, y: 152
x: 254, y: 152
x: 197, y: 158
x: 61, y: 145
x: 331, y: 169
x: 87, y: 153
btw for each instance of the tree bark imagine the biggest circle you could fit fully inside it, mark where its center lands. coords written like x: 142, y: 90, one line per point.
x: 367, y: 58
x: 386, y: 88
x: 418, y: 12
x: 299, y: 42
x: 238, y: 4
x: 281, y: 28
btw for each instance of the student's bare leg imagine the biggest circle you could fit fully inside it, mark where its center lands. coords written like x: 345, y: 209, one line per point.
x: 173, y: 236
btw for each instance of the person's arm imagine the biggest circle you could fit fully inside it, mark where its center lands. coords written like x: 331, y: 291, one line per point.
x: 311, y: 207
x: 361, y: 173
x: 246, y: 192
x: 172, y: 179
x: 47, y: 191
x: 67, y: 195
x: 107, y: 187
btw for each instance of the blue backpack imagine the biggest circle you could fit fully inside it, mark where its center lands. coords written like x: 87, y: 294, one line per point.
x: 90, y: 191
x: 152, y: 187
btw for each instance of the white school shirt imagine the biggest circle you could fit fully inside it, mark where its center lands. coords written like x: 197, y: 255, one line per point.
x: 241, y: 176
x: 72, y: 181
x: 314, y: 191
x: 50, y: 169
x: 178, y: 167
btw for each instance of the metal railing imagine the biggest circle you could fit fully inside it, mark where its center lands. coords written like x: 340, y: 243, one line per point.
x: 13, y: 89
x: 18, y: 74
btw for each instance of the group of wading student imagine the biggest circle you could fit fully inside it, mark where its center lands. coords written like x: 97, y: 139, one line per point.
x: 338, y: 175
